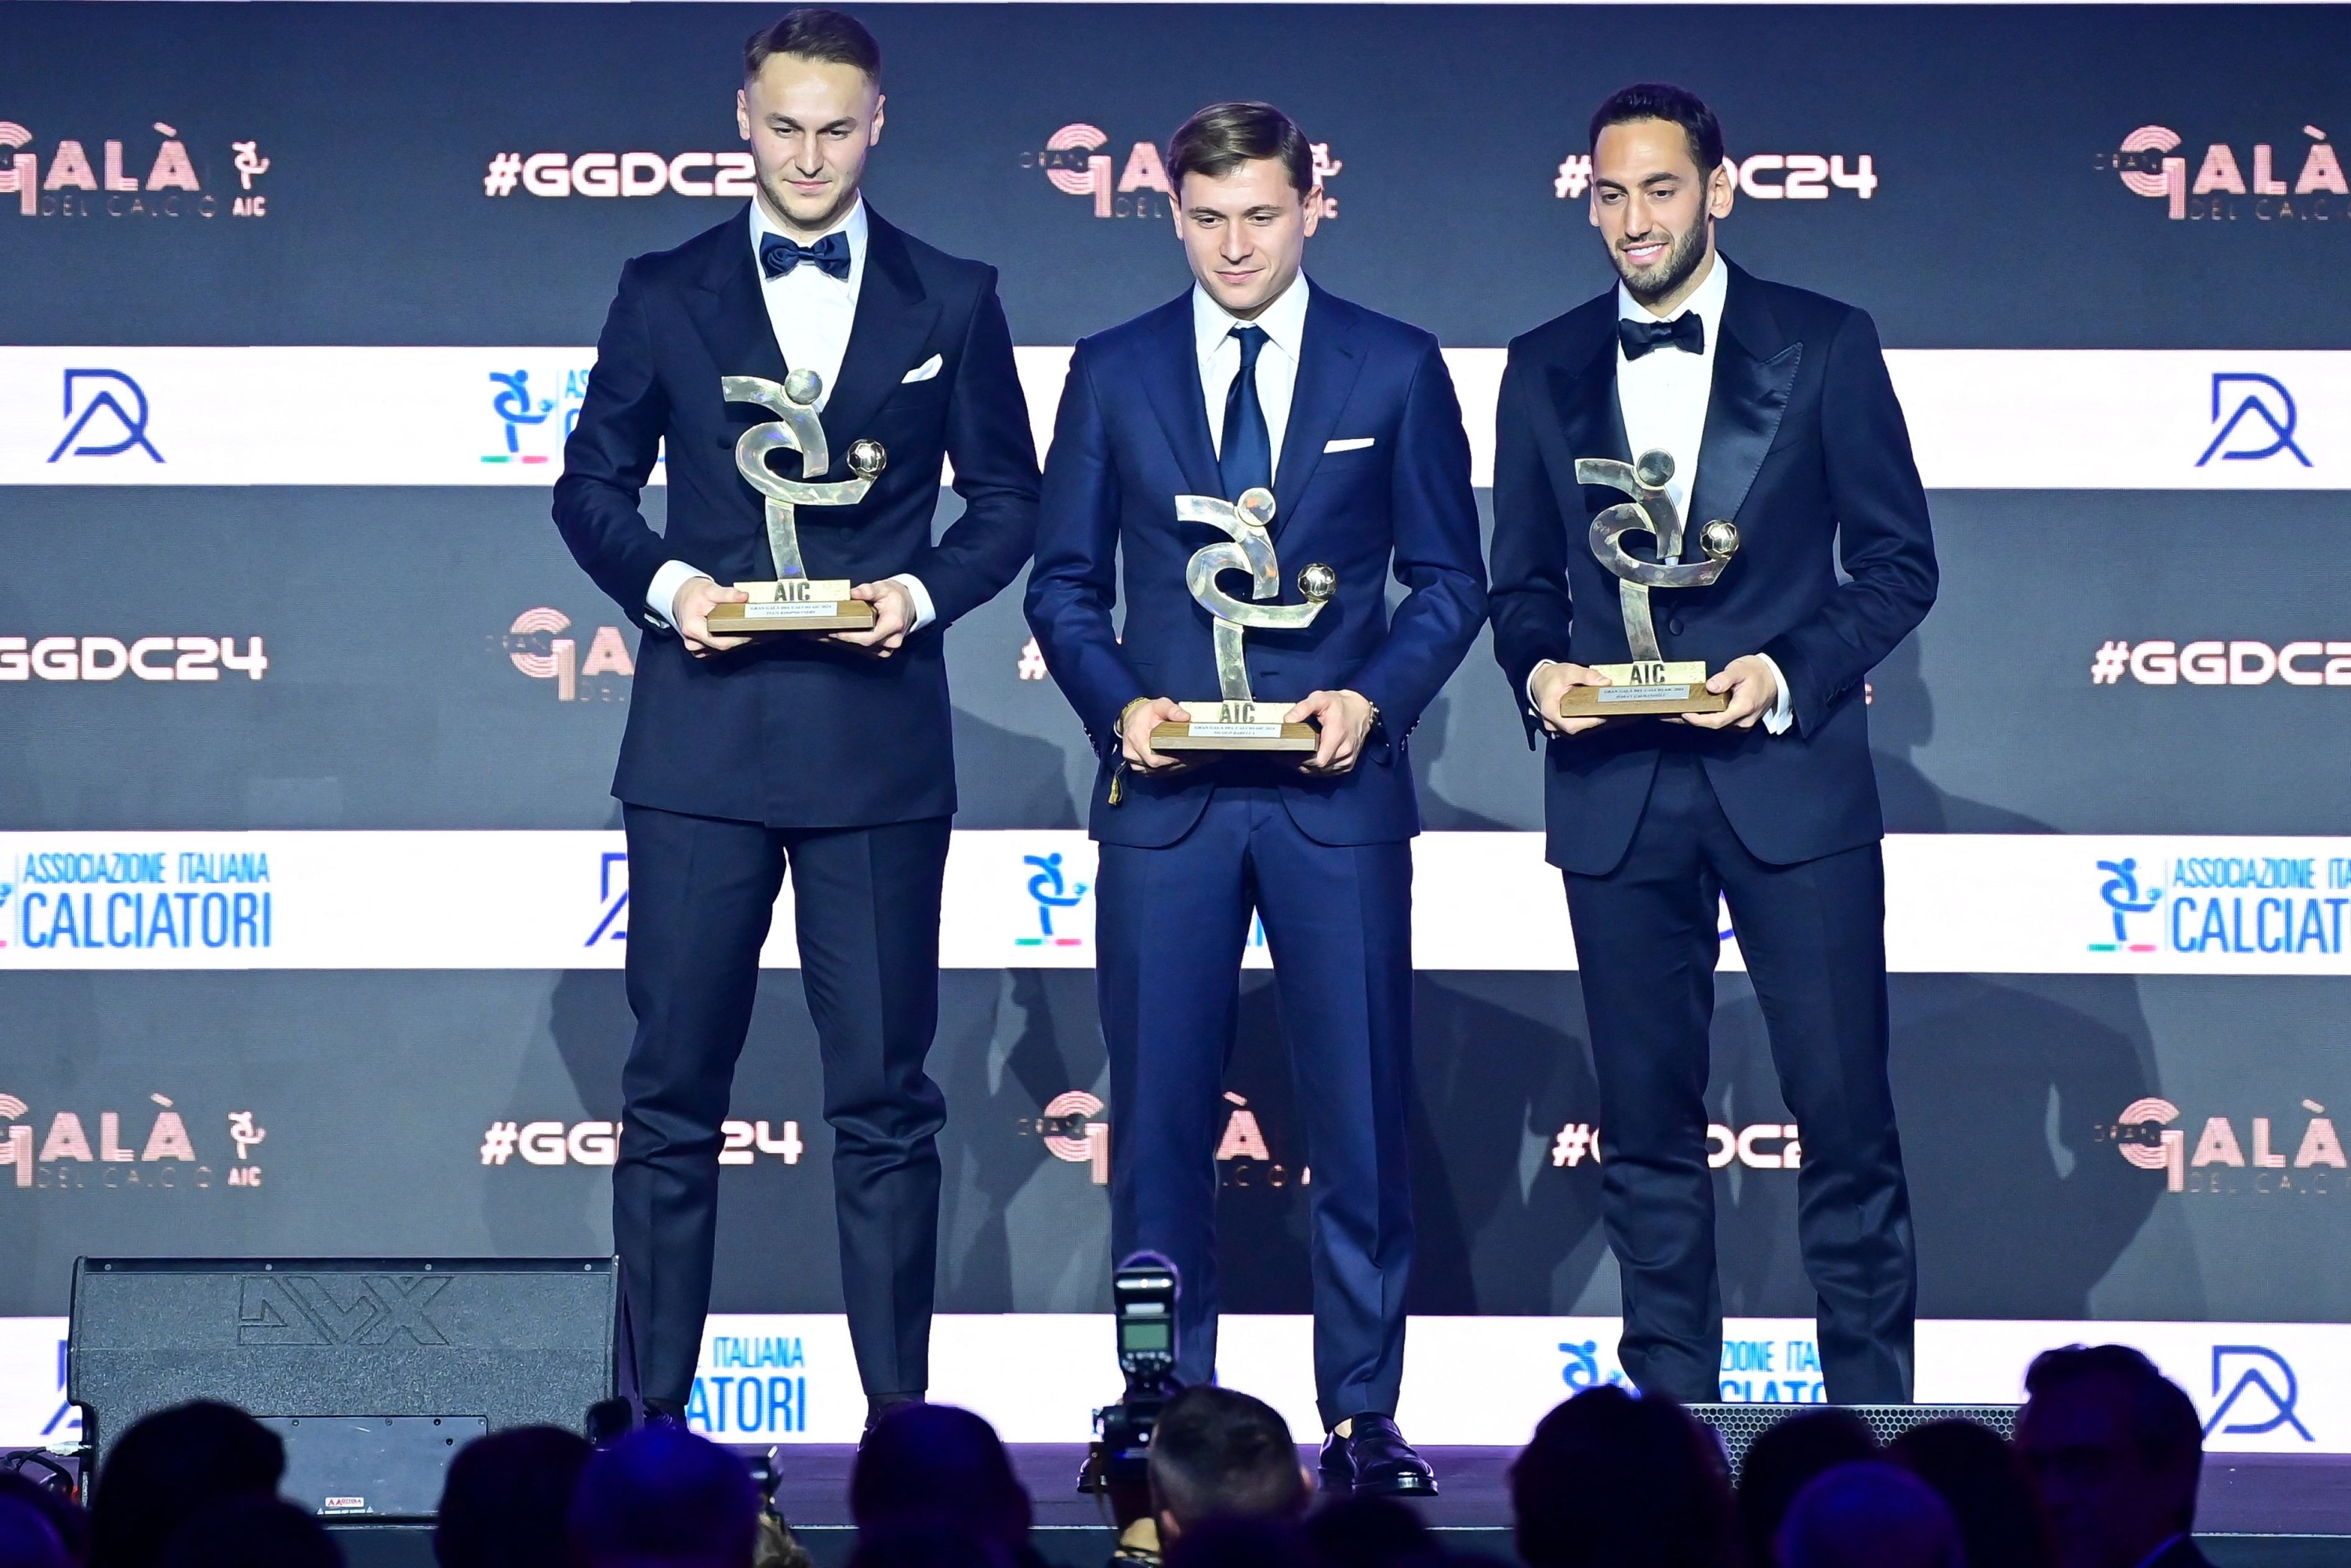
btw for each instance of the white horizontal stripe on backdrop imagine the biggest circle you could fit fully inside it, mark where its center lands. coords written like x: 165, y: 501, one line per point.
x: 1980, y: 419
x: 1956, y: 903
x: 1486, y: 1380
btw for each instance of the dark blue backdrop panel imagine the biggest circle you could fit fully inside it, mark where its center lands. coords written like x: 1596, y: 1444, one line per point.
x: 1999, y: 216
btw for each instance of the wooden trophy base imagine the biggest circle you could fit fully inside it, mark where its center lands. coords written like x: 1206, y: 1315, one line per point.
x: 1237, y: 727
x: 796, y: 605
x: 1653, y: 687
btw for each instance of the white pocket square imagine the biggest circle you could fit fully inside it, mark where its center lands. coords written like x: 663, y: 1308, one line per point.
x: 1350, y: 444
x: 922, y: 372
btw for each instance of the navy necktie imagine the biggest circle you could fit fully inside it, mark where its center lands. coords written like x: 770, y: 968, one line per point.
x: 1685, y: 330
x: 779, y: 256
x: 1246, y: 460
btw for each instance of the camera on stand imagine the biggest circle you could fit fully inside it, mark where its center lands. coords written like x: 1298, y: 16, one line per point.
x: 1143, y: 1300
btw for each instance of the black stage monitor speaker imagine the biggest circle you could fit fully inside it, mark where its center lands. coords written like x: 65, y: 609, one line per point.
x: 388, y: 1363
x: 1740, y: 1425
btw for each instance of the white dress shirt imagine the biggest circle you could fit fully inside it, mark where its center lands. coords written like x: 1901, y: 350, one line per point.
x: 1284, y: 321
x: 811, y: 313
x: 1662, y: 396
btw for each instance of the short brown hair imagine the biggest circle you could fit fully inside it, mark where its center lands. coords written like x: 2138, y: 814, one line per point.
x: 1222, y: 137
x: 815, y: 33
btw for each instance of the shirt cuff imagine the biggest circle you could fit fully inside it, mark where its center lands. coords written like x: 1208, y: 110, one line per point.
x: 1541, y: 665
x: 1781, y: 714
x: 924, y: 610
x: 661, y: 597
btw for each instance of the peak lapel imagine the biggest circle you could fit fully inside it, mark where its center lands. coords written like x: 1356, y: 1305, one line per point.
x: 1582, y: 389
x: 1754, y: 370
x: 1171, y: 383
x: 1329, y: 360
x: 893, y: 320
x: 727, y: 308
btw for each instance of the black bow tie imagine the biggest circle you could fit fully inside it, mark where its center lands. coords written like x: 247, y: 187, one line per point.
x: 1684, y: 331
x: 779, y: 256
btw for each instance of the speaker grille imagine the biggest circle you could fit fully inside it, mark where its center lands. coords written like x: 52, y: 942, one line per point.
x: 513, y: 1340
x: 1740, y: 1425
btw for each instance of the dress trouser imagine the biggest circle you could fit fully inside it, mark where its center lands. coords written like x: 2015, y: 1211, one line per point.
x: 1172, y: 923
x: 866, y: 901
x: 1813, y: 934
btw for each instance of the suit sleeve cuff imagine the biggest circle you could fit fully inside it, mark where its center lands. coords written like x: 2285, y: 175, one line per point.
x: 924, y: 610
x: 1541, y: 665
x: 661, y: 597
x: 1781, y: 714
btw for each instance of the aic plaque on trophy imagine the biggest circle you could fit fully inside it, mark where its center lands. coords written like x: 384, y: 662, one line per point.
x: 794, y: 602
x: 1651, y: 684
x: 1236, y: 721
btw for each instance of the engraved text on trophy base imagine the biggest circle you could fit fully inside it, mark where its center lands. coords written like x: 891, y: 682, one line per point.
x: 794, y: 604
x: 1645, y: 687
x: 1235, y: 727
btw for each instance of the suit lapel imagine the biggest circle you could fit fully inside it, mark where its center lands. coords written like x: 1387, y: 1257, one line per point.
x: 1171, y: 384
x: 894, y: 321
x: 727, y: 308
x: 1582, y: 389
x: 1329, y: 360
x: 1754, y: 370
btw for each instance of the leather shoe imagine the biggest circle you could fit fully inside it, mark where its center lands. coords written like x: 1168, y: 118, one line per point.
x: 880, y: 1408
x: 1373, y: 1460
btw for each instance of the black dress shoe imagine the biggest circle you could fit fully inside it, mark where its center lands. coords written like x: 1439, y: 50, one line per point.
x: 1336, y: 1471
x: 1373, y: 1460
x: 880, y: 1408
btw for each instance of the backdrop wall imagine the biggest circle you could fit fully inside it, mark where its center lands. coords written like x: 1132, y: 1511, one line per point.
x: 296, y: 307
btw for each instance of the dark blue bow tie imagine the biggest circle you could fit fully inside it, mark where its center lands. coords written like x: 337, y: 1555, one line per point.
x: 1684, y: 331
x: 779, y: 256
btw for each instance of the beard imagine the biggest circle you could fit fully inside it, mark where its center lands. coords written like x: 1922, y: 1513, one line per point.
x: 1648, y: 285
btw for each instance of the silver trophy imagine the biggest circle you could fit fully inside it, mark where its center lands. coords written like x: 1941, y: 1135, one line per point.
x: 1242, y: 723
x: 1651, y: 682
x: 794, y: 602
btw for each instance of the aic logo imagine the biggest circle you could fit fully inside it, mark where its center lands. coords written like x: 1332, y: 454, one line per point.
x: 2153, y: 161
x: 534, y: 424
x: 73, y: 188
x: 619, y: 174
x: 534, y: 645
x: 1078, y: 161
x: 1764, y: 176
x: 2222, y: 1162
x: 338, y: 1308
x: 1053, y: 890
x: 65, y: 1157
x: 2275, y: 905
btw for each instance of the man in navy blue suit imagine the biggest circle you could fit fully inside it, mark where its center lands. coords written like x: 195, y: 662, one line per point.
x: 832, y: 756
x: 1775, y: 407
x: 1256, y: 380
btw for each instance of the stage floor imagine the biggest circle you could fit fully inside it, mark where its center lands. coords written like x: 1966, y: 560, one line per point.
x: 2256, y: 1511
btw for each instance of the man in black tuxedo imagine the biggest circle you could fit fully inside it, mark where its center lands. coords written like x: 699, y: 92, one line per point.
x: 1775, y: 406
x: 830, y: 755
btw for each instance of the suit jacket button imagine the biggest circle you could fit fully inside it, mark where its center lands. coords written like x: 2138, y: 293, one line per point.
x: 1675, y: 625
